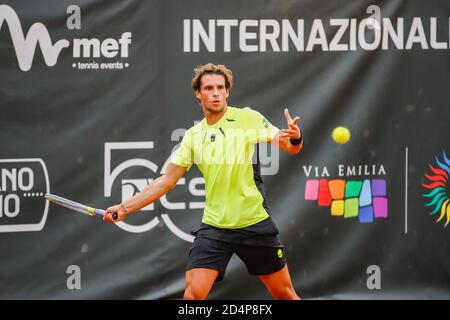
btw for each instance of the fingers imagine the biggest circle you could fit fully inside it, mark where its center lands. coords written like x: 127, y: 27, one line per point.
x: 289, y: 133
x: 287, y: 115
x: 108, y: 216
x: 289, y: 120
x: 113, y: 208
x: 293, y: 125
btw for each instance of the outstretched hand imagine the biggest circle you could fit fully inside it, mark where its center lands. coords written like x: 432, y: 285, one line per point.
x: 294, y: 131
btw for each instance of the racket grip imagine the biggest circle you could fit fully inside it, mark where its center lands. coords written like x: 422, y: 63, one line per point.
x: 101, y: 212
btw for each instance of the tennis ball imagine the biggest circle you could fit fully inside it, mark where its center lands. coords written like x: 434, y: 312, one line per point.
x: 341, y: 135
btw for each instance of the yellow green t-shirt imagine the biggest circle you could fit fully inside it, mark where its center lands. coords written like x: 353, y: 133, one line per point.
x: 223, y: 152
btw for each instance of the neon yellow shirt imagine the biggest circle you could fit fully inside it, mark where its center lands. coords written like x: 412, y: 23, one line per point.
x: 223, y: 153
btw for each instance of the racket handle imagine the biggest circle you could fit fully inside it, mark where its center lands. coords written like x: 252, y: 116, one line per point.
x: 101, y: 212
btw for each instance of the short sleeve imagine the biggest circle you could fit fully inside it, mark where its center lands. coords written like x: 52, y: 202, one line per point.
x: 265, y: 131
x: 184, y: 155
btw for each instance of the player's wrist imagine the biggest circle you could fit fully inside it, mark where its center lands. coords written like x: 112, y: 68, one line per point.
x: 298, y: 141
x: 122, y: 209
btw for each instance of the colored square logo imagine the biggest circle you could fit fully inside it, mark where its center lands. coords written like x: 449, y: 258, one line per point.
x: 351, y: 208
x: 337, y: 208
x: 378, y: 187
x: 366, y: 199
x: 366, y: 214
x: 380, y: 207
x: 337, y: 188
x: 312, y: 190
x: 352, y: 189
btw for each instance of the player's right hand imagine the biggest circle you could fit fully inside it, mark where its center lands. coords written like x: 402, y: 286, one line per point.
x: 111, y: 210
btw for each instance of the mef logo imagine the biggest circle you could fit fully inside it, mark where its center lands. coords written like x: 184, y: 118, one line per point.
x: 437, y: 187
x: 23, y: 184
x: 364, y: 199
x: 25, y: 43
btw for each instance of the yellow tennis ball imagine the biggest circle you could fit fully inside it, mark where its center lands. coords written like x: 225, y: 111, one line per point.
x: 341, y: 135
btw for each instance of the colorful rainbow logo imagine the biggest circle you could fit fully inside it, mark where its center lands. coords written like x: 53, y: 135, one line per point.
x: 438, y: 189
x: 365, y: 199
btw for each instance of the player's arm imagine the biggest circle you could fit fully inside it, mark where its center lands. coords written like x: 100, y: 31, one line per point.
x: 289, y: 140
x: 152, y: 192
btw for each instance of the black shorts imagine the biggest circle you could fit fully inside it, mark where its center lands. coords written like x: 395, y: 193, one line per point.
x: 257, y: 246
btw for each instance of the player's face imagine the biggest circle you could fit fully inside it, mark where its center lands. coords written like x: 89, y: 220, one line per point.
x: 213, y: 93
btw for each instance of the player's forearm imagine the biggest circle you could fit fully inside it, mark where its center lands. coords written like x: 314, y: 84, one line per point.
x: 152, y: 192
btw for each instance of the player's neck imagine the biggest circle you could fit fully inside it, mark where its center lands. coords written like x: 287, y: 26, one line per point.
x: 214, y: 117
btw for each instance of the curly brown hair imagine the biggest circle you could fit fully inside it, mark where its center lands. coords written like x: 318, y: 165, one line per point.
x: 210, y: 68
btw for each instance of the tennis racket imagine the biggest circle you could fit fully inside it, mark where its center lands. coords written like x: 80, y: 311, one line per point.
x: 78, y: 207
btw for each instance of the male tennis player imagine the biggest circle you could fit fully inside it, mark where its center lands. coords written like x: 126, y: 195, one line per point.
x: 235, y: 218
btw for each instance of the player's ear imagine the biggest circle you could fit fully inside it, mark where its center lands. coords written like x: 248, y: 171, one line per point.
x: 198, y: 95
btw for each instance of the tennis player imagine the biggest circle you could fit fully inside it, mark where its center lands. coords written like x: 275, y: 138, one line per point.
x: 236, y: 216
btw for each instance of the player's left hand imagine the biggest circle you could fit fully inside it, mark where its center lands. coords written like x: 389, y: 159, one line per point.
x: 294, y: 131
